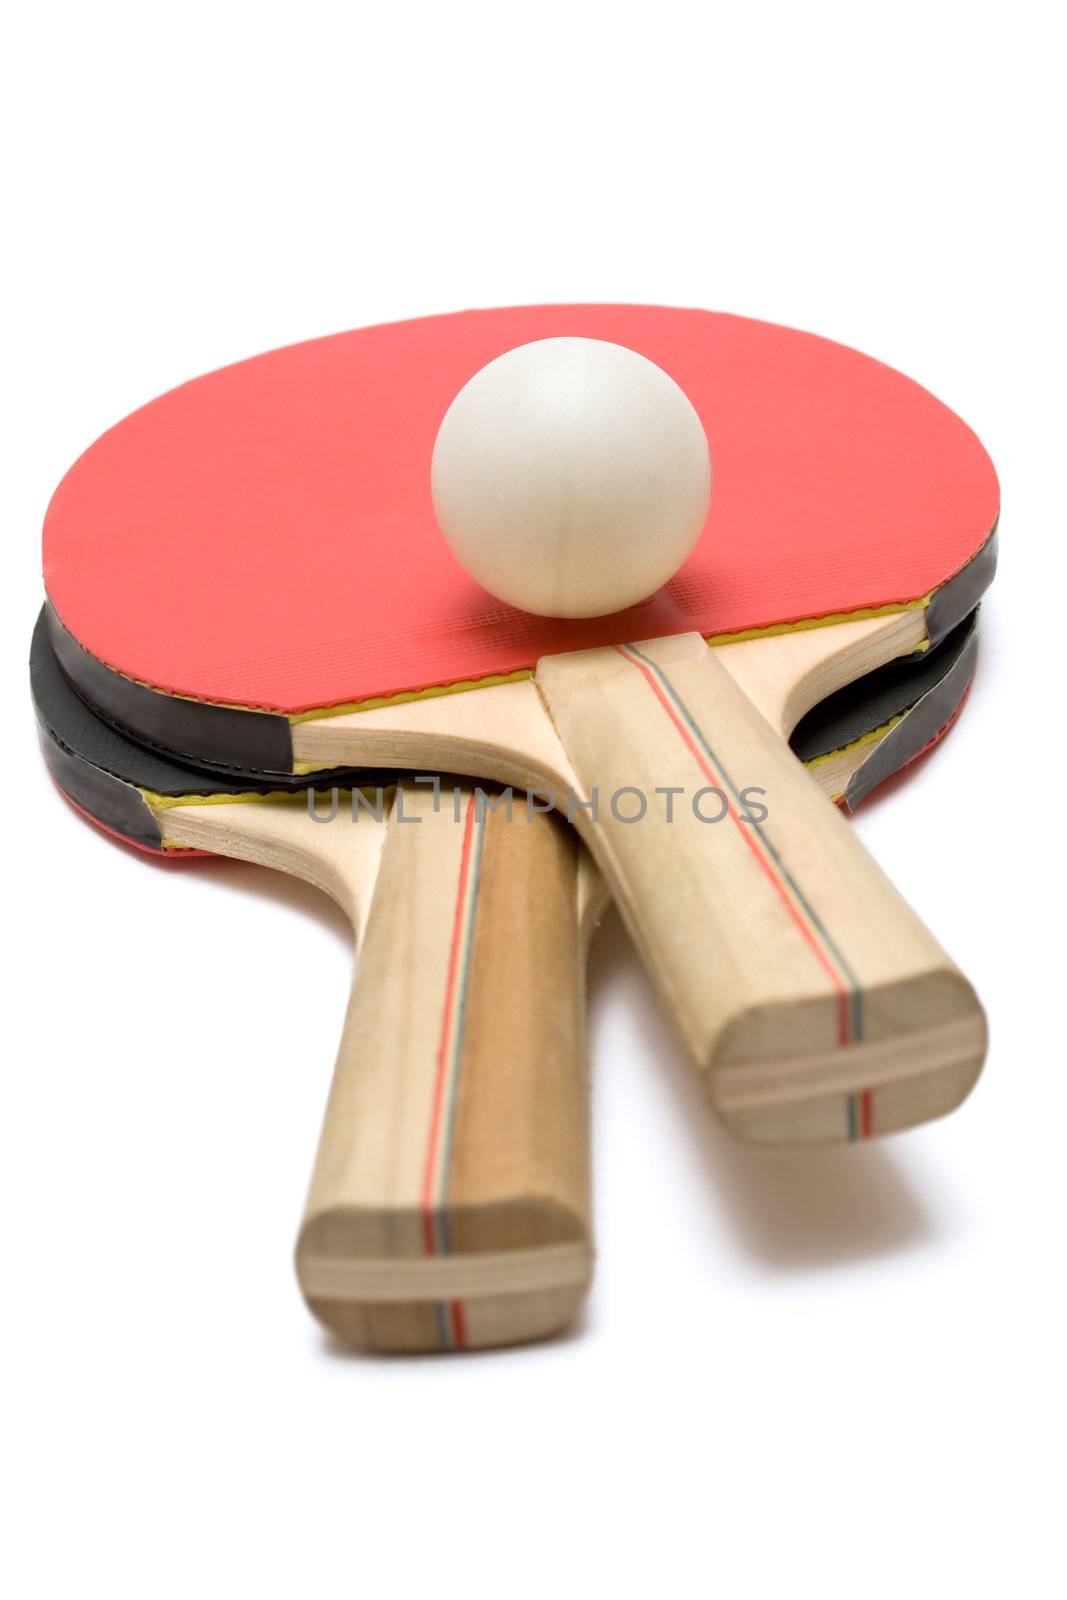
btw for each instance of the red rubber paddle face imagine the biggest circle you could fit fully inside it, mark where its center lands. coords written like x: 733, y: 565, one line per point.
x: 264, y: 536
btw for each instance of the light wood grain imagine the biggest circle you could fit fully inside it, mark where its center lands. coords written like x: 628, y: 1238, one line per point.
x: 449, y: 1206
x: 781, y: 948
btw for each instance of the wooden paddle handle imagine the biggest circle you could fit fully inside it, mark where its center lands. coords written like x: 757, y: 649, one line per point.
x: 449, y: 1205
x: 813, y: 999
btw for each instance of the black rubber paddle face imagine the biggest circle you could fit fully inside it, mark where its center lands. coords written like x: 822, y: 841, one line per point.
x: 925, y: 691
x: 107, y: 774
x: 224, y: 738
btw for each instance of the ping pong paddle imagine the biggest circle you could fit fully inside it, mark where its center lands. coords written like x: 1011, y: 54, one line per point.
x: 247, y: 573
x: 371, y: 1225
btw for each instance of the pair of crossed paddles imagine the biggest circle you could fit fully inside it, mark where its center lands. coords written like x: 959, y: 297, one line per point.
x: 828, y: 605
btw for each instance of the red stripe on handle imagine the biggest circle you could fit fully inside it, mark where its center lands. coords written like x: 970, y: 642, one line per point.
x: 775, y: 880
x: 429, y: 1235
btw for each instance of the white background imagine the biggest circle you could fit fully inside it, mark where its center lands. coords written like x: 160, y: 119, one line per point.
x: 828, y: 1374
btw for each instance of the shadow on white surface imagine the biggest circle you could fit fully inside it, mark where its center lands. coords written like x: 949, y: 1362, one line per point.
x: 790, y: 1210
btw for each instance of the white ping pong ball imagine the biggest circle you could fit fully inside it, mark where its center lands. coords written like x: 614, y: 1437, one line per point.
x: 571, y: 477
